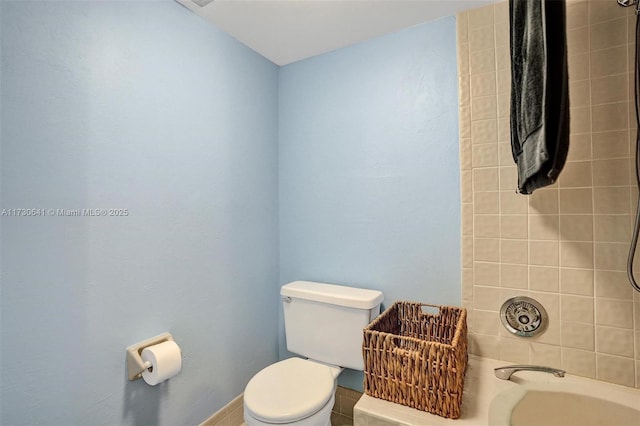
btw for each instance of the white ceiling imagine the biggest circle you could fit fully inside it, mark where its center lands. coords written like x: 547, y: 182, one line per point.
x: 286, y: 31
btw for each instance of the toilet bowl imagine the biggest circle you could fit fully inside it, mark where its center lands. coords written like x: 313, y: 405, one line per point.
x: 323, y: 324
x: 295, y: 391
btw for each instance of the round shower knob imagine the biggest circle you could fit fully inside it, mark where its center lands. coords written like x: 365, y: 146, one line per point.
x: 523, y: 316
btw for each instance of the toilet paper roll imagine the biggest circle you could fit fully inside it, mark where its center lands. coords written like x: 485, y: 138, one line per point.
x: 165, y: 359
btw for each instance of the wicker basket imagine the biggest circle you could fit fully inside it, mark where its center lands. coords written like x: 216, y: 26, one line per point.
x: 417, y: 359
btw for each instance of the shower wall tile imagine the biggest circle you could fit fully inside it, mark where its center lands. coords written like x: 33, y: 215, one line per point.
x: 608, y: 34
x: 611, y: 172
x: 610, y: 117
x: 580, y: 94
x: 576, y: 201
x: 579, y: 362
x: 513, y: 226
x: 600, y: 11
x: 576, y: 174
x: 544, y: 278
x: 578, y: 40
x: 609, y: 89
x: 484, y: 131
x: 566, y: 244
x: 613, y: 144
x: 615, y: 369
x: 578, y: 15
x: 580, y: 147
x: 578, y: 65
x: 609, y: 61
x: 612, y: 228
x: 482, y: 38
x: 576, y: 281
x: 543, y: 201
x: 576, y: 227
x: 613, y: 285
x: 513, y: 276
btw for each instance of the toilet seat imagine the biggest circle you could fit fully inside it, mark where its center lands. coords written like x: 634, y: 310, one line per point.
x: 289, y: 390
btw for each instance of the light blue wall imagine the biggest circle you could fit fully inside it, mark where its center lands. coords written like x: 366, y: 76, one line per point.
x: 143, y: 106
x: 369, y: 169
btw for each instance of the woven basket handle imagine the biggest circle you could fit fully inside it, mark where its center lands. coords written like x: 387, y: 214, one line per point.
x: 427, y: 309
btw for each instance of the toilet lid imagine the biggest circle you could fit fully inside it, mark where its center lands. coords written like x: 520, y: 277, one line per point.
x: 289, y: 390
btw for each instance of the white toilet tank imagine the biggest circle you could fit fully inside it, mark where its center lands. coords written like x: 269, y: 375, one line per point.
x: 324, y: 322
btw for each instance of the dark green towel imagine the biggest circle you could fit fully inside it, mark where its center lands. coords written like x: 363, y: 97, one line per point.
x: 539, y: 91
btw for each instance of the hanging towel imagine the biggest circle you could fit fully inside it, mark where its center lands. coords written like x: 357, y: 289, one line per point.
x: 539, y: 91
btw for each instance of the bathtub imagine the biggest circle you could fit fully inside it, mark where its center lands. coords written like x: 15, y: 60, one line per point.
x: 528, y: 399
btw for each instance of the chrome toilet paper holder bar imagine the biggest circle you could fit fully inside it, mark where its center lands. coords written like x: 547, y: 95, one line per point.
x: 135, y: 364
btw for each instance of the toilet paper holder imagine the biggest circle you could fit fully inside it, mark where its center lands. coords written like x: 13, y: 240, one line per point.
x: 135, y: 364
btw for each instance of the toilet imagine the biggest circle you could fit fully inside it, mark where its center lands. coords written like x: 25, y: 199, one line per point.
x: 323, y: 324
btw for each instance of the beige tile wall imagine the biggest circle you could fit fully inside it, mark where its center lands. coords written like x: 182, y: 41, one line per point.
x: 565, y: 245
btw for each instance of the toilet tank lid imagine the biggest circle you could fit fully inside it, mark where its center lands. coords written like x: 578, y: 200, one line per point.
x: 352, y: 297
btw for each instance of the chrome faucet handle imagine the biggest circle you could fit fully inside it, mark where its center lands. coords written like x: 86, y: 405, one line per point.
x: 505, y: 372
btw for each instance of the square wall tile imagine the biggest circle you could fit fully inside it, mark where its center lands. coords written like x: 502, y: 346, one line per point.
x: 487, y: 226
x: 614, y: 313
x: 576, y: 201
x: 513, y: 276
x: 608, y: 62
x: 577, y: 309
x: 575, y: 254
x: 513, y: 251
x: 516, y: 351
x: 609, y: 89
x: 544, y: 227
x: 485, y: 179
x: 614, y: 341
x: 613, y: 228
x: 578, y: 335
x: 541, y: 354
x: 544, y: 278
x: 577, y: 14
x: 575, y: 174
x: 580, y: 147
x: 544, y: 202
x: 611, y: 256
x: 486, y: 298
x: 608, y: 34
x: 480, y: 17
x: 544, y: 253
x: 579, y: 67
x: 615, y: 369
x: 512, y: 203
x: 486, y: 322
x: 600, y: 11
x: 613, y: 172
x: 484, y: 155
x: 514, y: 226
x: 486, y: 346
x: 486, y: 273
x: 482, y: 38
x: 614, y: 144
x: 613, y: 285
x: 576, y: 281
x: 576, y: 227
x: 579, y: 362
x: 612, y: 200
x: 486, y: 249
x: 484, y: 131
x: 486, y: 107
x: 486, y: 202
x: 485, y: 84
